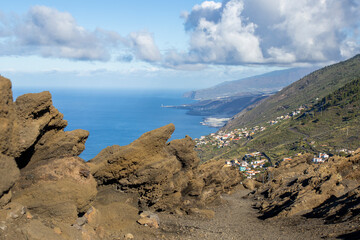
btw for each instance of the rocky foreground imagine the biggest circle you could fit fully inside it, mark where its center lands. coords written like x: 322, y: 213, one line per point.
x: 48, y: 192
x: 329, y: 191
x: 153, y: 189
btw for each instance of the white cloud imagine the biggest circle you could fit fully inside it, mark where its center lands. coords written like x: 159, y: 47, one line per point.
x: 144, y: 46
x: 231, y: 32
x: 314, y: 28
x: 230, y: 40
x: 271, y: 32
x: 50, y: 33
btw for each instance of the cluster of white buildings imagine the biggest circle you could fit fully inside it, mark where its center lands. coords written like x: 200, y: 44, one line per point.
x: 223, y: 139
x: 252, y: 164
x: 316, y: 159
x: 321, y: 158
x: 287, y: 116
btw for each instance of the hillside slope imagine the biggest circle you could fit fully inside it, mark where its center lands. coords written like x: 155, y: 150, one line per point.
x: 328, y: 126
x: 303, y: 92
x: 256, y: 85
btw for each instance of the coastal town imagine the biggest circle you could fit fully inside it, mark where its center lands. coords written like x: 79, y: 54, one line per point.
x: 254, y: 163
x: 222, y: 139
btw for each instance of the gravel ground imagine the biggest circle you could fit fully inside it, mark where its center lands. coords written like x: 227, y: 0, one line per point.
x: 236, y: 219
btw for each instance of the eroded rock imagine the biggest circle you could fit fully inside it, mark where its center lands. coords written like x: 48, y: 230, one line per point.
x: 166, y: 176
x: 7, y: 116
x: 56, y: 188
x: 300, y: 188
x: 9, y: 173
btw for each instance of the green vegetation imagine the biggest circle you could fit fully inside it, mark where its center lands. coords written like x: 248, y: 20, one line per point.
x: 328, y: 124
x: 303, y: 92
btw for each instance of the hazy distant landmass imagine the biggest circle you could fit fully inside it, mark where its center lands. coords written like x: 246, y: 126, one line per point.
x: 256, y: 85
x: 303, y: 92
x: 229, y: 98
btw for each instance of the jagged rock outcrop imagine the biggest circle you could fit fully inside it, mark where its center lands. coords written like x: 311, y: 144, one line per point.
x: 301, y: 188
x: 166, y: 176
x: 7, y: 115
x: 149, y: 167
x: 9, y: 172
x: 33, y: 129
x: 47, y: 191
x: 43, y: 185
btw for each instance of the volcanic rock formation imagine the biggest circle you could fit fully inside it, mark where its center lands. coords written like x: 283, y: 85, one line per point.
x: 48, y: 192
x: 299, y: 187
x: 166, y: 176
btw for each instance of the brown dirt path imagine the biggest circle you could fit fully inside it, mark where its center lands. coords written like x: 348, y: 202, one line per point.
x: 236, y: 219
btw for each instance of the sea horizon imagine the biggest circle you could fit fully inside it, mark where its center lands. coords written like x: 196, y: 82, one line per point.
x: 120, y: 116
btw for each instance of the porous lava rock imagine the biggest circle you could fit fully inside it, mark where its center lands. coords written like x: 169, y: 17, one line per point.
x: 166, y: 175
x: 32, y: 129
x: 9, y: 173
x: 58, y: 188
x: 47, y: 191
x: 299, y: 187
x: 147, y: 167
x: 44, y: 186
x: 7, y: 115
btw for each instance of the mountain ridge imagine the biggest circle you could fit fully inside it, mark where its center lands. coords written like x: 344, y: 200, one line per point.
x: 304, y: 91
x: 271, y: 82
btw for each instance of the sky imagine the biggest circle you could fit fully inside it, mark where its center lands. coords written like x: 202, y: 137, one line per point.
x: 184, y: 44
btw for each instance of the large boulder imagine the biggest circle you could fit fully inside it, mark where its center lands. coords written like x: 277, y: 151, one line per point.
x: 57, y: 188
x: 39, y: 131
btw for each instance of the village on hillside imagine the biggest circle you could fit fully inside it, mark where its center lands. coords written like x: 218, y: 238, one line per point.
x: 254, y: 163
x: 223, y: 139
x: 251, y: 164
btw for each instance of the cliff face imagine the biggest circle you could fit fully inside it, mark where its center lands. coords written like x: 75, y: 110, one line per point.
x: 48, y: 192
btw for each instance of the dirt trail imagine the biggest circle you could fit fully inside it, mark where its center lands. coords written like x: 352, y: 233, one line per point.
x: 236, y: 219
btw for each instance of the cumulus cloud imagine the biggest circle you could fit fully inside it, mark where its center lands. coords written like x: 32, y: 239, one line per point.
x: 51, y: 33
x: 48, y: 32
x: 144, y: 46
x: 272, y: 32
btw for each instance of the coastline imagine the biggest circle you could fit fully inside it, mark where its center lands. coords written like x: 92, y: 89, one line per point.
x: 214, y: 122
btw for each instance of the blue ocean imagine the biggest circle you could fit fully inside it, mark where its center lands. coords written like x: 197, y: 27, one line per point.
x: 121, y: 116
